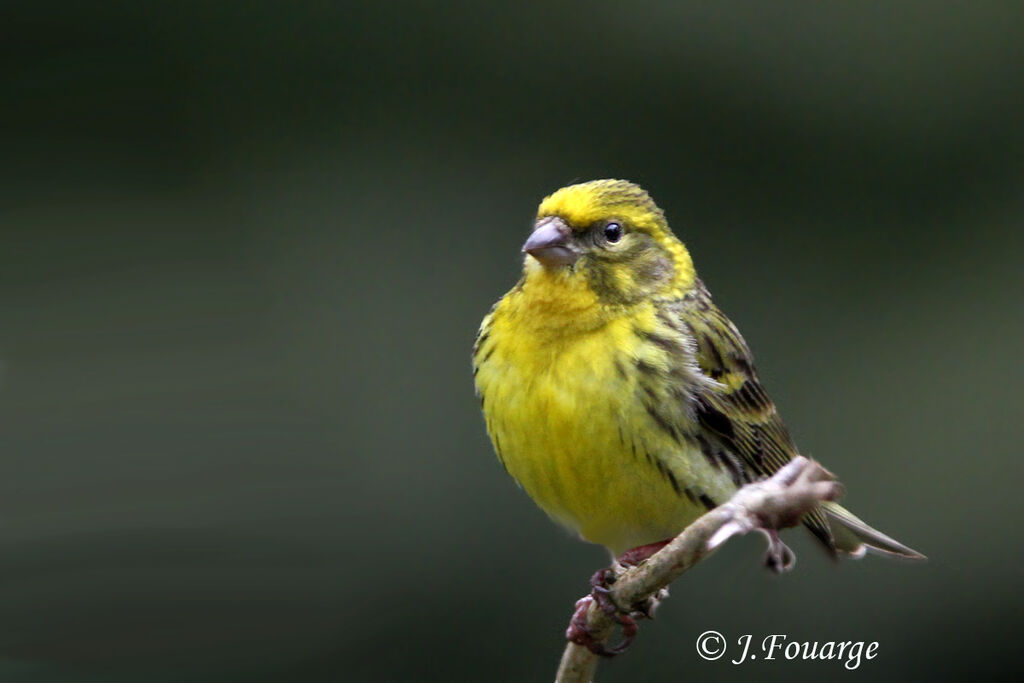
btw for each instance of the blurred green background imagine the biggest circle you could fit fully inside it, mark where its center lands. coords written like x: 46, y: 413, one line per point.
x: 246, y: 247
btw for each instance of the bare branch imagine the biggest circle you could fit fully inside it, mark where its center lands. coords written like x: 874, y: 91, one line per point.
x: 775, y: 503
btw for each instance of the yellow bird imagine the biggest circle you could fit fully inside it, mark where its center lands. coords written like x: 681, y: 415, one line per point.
x: 614, y: 390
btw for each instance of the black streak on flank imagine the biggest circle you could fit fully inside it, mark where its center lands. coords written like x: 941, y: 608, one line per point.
x: 708, y: 452
x: 666, y: 343
x: 707, y: 502
x: 661, y: 422
x: 646, y: 368
x: 619, y: 369
x: 677, y: 392
x: 672, y: 480
x: 669, y: 322
x: 691, y: 495
x: 736, y: 471
x: 488, y: 355
x: 720, y: 458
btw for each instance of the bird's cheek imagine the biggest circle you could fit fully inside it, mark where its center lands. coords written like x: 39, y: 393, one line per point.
x: 602, y: 281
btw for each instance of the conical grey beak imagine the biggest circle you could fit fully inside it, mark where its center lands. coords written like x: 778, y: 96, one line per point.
x: 549, y: 243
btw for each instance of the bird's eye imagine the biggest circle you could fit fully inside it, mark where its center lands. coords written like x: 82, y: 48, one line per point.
x: 613, y: 232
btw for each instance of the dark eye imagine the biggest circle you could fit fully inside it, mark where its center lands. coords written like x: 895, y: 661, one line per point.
x: 613, y: 232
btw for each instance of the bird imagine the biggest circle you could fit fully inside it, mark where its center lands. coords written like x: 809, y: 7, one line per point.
x: 615, y: 391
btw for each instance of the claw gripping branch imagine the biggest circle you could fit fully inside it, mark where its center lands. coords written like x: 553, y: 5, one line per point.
x: 767, y: 506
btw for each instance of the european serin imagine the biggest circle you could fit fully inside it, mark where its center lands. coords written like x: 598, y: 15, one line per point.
x: 616, y: 393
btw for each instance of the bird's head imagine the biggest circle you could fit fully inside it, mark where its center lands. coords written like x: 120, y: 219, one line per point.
x: 611, y: 238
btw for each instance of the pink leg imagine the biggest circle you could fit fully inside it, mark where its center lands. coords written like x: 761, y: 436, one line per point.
x: 633, y: 557
x: 601, y: 594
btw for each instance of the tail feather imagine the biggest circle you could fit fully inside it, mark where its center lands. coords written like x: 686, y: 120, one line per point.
x: 855, y: 536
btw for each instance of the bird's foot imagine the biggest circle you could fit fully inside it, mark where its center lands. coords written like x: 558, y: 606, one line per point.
x: 776, y: 503
x: 579, y: 631
x: 778, y: 558
x: 632, y: 558
x: 601, y: 595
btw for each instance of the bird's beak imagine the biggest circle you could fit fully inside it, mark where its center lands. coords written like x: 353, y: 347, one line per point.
x: 549, y: 243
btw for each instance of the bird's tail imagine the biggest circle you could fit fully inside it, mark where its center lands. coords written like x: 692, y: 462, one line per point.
x: 855, y: 537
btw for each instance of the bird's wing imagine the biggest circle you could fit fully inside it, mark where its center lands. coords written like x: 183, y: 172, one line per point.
x: 738, y: 412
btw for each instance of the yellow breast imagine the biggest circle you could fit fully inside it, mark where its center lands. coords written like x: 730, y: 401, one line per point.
x: 562, y: 410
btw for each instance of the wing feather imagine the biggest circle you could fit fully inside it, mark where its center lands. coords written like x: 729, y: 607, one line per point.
x: 738, y: 412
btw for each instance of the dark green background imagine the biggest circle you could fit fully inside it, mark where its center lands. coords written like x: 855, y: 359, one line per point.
x: 246, y: 247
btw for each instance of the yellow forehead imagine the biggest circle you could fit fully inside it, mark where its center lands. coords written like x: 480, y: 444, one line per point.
x: 583, y: 204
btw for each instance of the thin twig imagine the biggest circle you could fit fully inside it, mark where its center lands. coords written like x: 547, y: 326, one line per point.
x: 772, y: 504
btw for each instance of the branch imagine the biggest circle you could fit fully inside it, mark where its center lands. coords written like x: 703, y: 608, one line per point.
x: 775, y: 503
